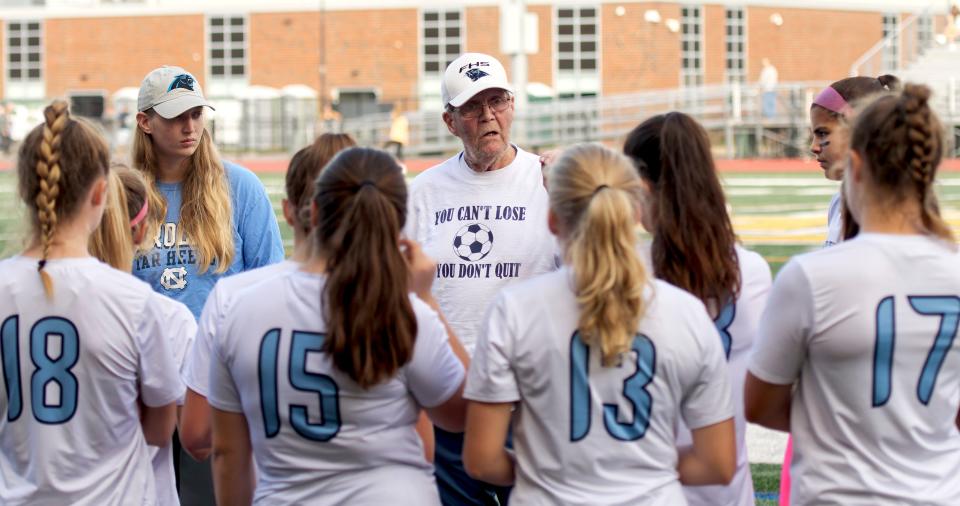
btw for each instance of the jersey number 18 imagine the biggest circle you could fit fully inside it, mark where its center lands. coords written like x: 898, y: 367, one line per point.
x: 56, y: 370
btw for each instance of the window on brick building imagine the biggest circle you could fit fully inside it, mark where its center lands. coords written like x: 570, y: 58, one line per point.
x: 442, y: 40
x: 24, y: 51
x: 577, y: 49
x: 891, y: 52
x: 691, y: 45
x: 227, y: 47
x: 736, y: 45
x: 924, y: 32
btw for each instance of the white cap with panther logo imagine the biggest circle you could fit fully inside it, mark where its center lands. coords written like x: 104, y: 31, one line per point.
x: 170, y: 91
x: 470, y: 74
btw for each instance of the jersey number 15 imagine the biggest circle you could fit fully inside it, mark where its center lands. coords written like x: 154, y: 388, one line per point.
x: 326, y: 389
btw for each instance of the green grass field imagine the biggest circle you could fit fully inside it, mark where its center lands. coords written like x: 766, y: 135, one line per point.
x: 777, y: 215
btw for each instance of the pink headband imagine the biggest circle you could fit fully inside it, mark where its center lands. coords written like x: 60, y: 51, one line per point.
x: 831, y: 100
x: 140, y: 216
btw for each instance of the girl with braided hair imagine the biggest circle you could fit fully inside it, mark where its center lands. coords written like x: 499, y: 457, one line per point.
x: 855, y: 352
x: 830, y: 116
x: 90, y: 378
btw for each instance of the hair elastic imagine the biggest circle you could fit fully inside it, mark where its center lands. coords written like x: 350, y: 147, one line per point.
x: 366, y: 182
x: 41, y: 264
x: 601, y: 187
x: 140, y: 215
x: 831, y: 100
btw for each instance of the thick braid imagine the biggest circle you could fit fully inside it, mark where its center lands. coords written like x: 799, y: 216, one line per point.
x: 48, y: 172
x: 921, y: 141
x: 923, y: 151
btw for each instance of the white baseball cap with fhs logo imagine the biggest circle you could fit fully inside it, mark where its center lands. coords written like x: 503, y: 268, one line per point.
x: 170, y: 91
x: 470, y: 74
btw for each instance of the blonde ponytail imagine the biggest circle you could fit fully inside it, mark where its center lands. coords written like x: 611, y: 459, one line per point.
x: 112, y: 242
x: 595, y: 195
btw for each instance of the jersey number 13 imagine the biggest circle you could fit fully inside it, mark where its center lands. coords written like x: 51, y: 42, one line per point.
x: 634, y: 391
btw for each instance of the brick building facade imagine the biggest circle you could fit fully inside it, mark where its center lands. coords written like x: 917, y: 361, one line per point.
x: 395, y: 50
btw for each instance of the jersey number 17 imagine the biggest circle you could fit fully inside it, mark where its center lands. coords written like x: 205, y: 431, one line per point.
x: 948, y: 309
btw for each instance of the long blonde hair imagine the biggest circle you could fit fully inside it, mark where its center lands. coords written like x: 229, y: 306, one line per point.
x: 595, y: 195
x: 57, y: 164
x: 112, y: 242
x: 206, y: 211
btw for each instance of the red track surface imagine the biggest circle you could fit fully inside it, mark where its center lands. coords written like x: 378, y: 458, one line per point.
x: 767, y: 166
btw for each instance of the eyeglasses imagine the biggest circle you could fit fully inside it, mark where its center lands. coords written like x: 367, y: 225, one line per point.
x: 472, y: 109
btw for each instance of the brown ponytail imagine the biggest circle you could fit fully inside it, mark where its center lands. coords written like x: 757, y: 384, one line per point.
x: 361, y: 199
x: 57, y: 163
x: 304, y: 167
x: 694, y: 242
x: 900, y: 137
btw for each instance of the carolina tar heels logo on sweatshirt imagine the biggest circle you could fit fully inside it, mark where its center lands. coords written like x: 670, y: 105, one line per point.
x: 174, y: 278
x: 473, y: 242
x: 475, y: 74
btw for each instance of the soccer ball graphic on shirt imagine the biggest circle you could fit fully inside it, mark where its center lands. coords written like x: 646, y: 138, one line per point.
x: 473, y: 242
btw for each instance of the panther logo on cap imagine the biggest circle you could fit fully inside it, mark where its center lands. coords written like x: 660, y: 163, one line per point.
x: 185, y: 81
x: 475, y: 74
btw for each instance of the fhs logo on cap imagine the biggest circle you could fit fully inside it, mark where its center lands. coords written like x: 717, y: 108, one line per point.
x: 475, y: 74
x: 185, y: 81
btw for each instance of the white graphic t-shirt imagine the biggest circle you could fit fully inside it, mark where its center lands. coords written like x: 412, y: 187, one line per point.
x: 484, y: 229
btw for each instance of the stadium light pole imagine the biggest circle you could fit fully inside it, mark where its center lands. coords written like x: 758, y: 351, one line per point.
x: 322, y: 68
x: 520, y: 57
x: 516, y: 27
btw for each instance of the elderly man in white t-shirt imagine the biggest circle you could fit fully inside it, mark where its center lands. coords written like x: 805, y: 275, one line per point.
x: 482, y: 214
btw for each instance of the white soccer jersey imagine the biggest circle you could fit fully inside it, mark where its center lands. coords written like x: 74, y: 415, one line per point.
x: 865, y: 330
x: 485, y: 230
x: 180, y: 328
x: 737, y: 324
x: 73, y: 369
x: 318, y: 437
x: 834, y: 222
x: 588, y: 434
x: 196, y: 371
